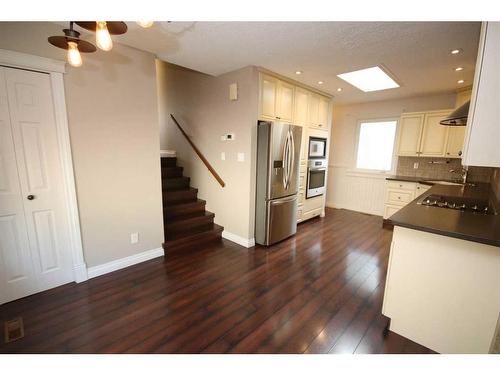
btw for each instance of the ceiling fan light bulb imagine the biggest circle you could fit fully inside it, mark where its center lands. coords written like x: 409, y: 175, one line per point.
x: 145, y: 24
x: 74, y: 57
x: 103, y: 38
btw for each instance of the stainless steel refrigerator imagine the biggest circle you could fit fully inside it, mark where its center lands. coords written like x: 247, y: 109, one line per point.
x: 278, y: 158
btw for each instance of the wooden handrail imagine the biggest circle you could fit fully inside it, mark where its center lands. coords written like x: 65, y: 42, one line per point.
x: 198, y: 152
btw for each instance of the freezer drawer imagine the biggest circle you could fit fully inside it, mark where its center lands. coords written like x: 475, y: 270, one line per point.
x: 282, y: 214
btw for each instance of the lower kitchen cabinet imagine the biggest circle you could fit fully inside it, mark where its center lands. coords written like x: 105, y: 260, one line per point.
x: 400, y: 193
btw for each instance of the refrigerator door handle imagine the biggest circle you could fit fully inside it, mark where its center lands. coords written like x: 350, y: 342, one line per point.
x: 284, y: 200
x: 292, y: 160
x: 285, y: 163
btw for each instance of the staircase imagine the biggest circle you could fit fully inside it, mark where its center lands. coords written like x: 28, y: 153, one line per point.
x: 187, y: 223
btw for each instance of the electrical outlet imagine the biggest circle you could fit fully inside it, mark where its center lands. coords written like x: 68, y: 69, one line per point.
x: 222, y: 156
x: 415, y: 165
x: 134, y: 238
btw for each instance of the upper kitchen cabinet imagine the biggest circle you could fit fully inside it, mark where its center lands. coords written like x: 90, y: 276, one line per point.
x: 301, y: 102
x: 483, y: 124
x: 456, y: 134
x: 434, y: 135
x: 420, y: 134
x: 410, y: 133
x: 268, y: 95
x: 276, y: 99
x: 318, y: 111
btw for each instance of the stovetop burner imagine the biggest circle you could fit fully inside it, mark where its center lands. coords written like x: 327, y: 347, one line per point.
x: 456, y: 203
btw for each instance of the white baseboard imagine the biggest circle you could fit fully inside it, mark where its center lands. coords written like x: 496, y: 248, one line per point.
x: 81, y: 273
x: 118, y: 264
x: 245, y: 242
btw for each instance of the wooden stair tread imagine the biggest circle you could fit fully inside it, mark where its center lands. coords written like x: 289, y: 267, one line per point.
x: 185, y: 195
x: 214, y: 232
x: 171, y: 172
x: 189, y: 217
x: 168, y: 161
x: 175, y: 183
x: 179, y: 209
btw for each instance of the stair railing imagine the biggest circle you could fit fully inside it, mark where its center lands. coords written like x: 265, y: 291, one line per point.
x: 200, y: 155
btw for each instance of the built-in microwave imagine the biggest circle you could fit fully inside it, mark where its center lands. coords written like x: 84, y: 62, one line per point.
x: 317, y: 148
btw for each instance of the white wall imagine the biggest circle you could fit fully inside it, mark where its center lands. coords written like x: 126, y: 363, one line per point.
x: 201, y: 104
x: 113, y: 123
x: 365, y: 192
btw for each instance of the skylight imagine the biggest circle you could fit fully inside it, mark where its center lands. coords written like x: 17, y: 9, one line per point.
x: 369, y: 79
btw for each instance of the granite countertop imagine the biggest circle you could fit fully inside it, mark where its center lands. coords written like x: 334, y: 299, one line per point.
x: 466, y: 225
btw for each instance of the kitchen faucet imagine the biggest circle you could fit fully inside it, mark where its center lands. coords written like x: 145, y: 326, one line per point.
x: 462, y: 172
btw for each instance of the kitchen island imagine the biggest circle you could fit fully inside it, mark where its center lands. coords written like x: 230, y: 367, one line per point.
x: 443, y: 279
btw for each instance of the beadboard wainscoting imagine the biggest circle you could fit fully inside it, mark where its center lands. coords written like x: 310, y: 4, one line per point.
x: 362, y: 192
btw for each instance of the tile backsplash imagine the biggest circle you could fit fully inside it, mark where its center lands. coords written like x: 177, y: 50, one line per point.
x: 439, y: 169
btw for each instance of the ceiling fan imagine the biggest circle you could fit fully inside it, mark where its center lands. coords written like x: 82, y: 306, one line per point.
x: 71, y: 41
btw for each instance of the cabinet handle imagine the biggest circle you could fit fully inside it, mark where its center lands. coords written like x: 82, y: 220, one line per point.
x: 447, y: 153
x: 459, y: 153
x: 30, y: 197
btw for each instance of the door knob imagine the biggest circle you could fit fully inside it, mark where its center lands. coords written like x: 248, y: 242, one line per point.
x: 30, y: 197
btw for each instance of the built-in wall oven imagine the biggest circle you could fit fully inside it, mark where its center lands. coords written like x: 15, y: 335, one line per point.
x: 316, y: 177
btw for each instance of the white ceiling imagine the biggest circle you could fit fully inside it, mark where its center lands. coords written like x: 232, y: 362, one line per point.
x: 416, y: 54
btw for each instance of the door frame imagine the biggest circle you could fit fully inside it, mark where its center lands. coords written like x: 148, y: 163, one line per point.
x: 56, y: 69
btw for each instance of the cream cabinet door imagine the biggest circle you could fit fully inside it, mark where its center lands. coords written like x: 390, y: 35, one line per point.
x: 434, y: 135
x: 410, y: 133
x: 324, y: 105
x: 300, y: 107
x: 313, y: 110
x: 455, y: 144
x: 268, y: 97
x: 284, y: 102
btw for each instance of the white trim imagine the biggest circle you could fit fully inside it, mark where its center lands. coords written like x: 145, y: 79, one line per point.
x: 63, y: 141
x: 25, y: 61
x: 118, y: 264
x: 245, y: 242
x: 168, y: 153
x: 56, y: 69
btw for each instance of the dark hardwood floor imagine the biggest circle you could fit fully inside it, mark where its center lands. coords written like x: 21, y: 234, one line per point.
x: 318, y: 292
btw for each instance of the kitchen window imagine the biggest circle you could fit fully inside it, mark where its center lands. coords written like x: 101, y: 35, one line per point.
x: 375, y: 147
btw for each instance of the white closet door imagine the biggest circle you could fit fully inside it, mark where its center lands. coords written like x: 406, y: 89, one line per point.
x: 35, y: 142
x: 17, y: 278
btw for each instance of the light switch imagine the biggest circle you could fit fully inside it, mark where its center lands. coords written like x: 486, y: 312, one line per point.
x: 233, y: 91
x: 415, y: 165
x: 222, y: 156
x: 241, y: 156
x: 134, y: 237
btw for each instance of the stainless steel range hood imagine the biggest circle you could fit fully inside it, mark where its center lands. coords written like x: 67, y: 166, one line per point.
x: 458, y: 117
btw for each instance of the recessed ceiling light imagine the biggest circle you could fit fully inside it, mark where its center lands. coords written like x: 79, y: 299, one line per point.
x: 369, y: 79
x: 456, y: 51
x: 458, y: 69
x: 339, y: 89
x: 320, y: 82
x: 298, y: 72
x: 460, y: 81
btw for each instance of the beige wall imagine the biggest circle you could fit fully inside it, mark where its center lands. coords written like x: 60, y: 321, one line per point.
x: 113, y: 121
x: 366, y: 193
x: 201, y: 104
